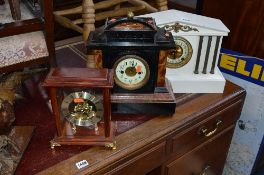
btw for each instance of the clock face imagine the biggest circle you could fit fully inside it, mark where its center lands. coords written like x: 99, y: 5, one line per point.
x: 181, y: 55
x: 131, y: 72
x: 82, y: 108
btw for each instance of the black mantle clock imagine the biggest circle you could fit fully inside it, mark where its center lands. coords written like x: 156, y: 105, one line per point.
x: 134, y: 47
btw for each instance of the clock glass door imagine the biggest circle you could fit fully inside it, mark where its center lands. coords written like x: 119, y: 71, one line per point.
x: 82, y: 111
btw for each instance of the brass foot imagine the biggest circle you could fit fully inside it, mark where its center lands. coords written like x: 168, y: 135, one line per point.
x: 96, y: 127
x: 73, y: 129
x: 112, y: 145
x: 53, y: 144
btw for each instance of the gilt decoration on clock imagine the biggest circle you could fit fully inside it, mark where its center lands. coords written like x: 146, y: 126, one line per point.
x: 179, y: 27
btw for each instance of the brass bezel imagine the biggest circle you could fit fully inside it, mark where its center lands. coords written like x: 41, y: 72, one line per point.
x: 131, y: 86
x: 79, y: 122
x: 188, y: 57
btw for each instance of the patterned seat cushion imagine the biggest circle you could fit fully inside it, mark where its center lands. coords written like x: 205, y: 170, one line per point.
x: 22, y: 48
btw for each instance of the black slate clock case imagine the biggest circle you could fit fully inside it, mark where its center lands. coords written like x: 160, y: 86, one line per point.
x: 131, y: 36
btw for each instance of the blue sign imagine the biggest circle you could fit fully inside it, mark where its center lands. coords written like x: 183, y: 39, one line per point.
x: 242, y: 66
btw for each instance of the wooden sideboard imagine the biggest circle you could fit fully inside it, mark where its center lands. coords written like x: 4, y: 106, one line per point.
x: 194, y: 140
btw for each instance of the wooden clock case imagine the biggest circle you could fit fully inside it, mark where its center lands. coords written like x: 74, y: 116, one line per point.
x: 141, y: 37
x: 82, y: 78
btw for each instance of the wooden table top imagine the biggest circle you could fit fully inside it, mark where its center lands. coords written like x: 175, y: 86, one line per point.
x: 133, y: 132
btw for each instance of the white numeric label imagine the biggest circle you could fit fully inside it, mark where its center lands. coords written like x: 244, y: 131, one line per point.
x: 82, y: 164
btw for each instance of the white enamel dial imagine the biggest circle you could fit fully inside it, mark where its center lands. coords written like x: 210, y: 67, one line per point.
x: 131, y: 72
x: 181, y: 55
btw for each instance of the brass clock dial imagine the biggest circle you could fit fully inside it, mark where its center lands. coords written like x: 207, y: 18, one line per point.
x: 131, y: 72
x: 82, y: 108
x: 181, y: 55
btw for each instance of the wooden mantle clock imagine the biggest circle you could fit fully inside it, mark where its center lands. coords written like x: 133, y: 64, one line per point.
x: 80, y: 99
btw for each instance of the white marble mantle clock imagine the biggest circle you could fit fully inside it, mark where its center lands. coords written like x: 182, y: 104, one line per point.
x: 192, y: 65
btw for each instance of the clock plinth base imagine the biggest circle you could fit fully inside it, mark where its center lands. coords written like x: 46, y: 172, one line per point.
x: 167, y: 109
x: 88, y: 139
x: 197, y: 83
x: 161, y: 102
x: 107, y: 142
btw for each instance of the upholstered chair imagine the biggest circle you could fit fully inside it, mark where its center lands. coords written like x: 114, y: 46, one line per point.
x: 26, y: 42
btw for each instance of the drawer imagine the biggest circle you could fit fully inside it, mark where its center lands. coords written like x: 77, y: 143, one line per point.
x: 143, y: 163
x: 201, y: 132
x: 208, y: 158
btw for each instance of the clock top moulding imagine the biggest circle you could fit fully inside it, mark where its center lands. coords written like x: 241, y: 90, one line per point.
x: 215, y: 26
x: 79, y: 77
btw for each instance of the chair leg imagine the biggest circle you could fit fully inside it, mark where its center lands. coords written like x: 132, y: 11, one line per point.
x: 15, y: 9
x: 148, y: 7
x: 161, y: 5
x: 88, y: 16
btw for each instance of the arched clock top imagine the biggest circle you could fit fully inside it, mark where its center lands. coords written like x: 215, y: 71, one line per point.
x: 133, y: 24
x: 130, y: 32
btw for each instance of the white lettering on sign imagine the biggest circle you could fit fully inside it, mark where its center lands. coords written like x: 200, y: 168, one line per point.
x: 82, y: 164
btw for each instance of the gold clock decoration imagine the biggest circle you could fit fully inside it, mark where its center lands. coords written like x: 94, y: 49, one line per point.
x: 181, y: 55
x: 179, y: 27
x: 131, y: 72
x: 82, y: 108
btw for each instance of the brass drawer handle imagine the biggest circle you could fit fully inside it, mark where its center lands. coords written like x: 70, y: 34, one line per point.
x: 207, y: 133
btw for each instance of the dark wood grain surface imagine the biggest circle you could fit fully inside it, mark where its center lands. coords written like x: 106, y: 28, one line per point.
x: 200, y: 158
x: 244, y: 19
x: 150, y: 133
x: 138, y: 130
